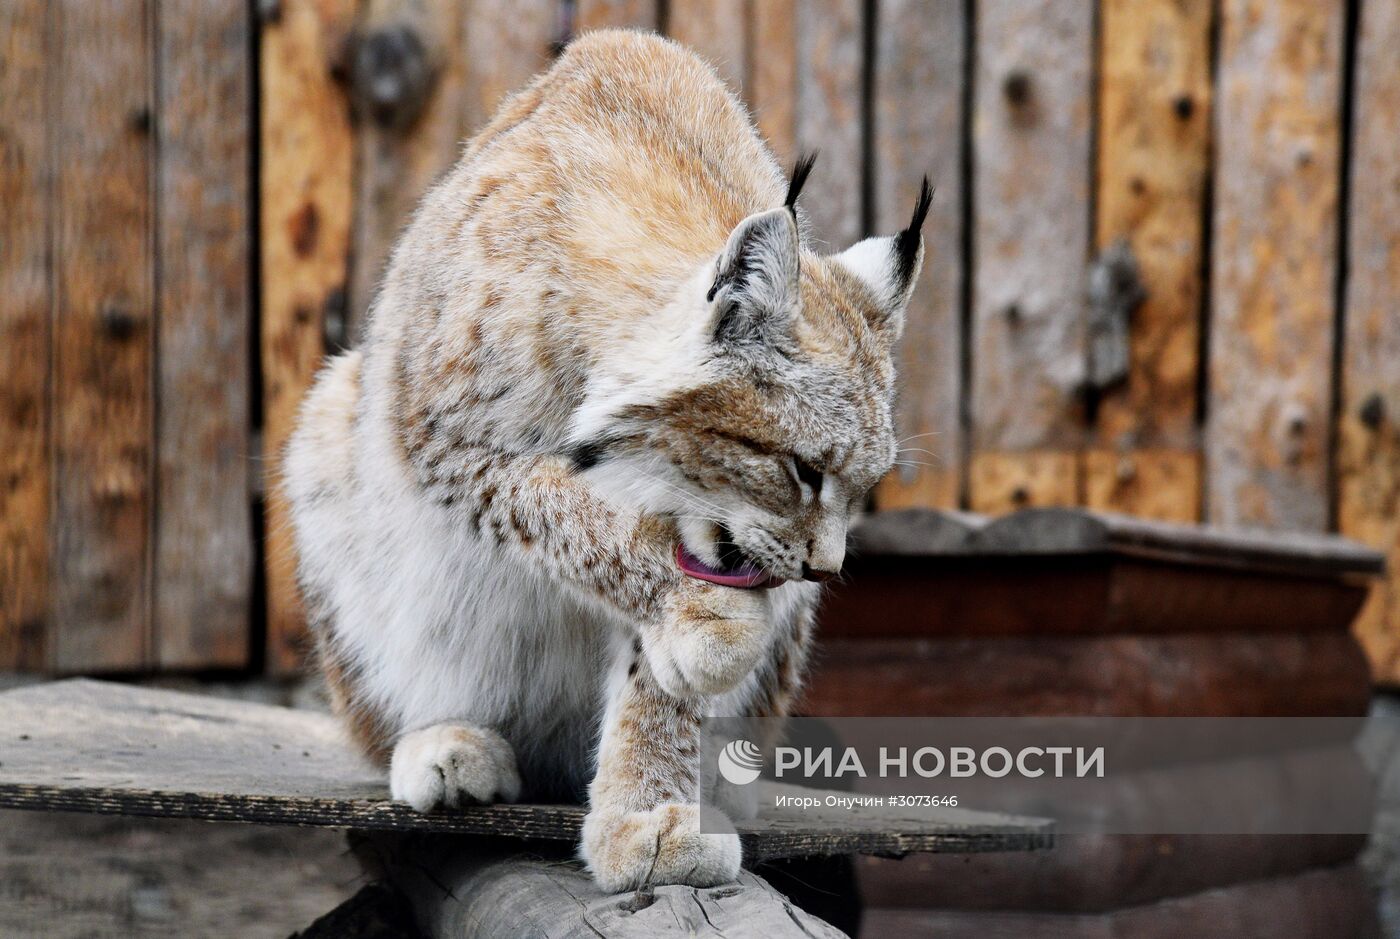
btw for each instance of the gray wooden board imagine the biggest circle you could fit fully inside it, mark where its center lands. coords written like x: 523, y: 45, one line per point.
x: 89, y: 746
x: 1067, y: 531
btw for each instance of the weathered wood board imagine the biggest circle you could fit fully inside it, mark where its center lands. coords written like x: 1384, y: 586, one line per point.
x: 1191, y: 675
x: 424, y: 77
x: 407, y: 80
x: 917, y: 99
x: 26, y: 227
x: 718, y: 31
x: 203, y: 531
x: 943, y: 596
x: 104, y: 322
x: 1274, y: 263
x: 307, y: 157
x: 599, y: 14
x: 1327, y: 903
x: 506, y: 43
x: 1095, y: 873
x: 1154, y: 119
x: 1032, y: 133
x: 773, y: 75
x: 99, y: 747
x: 1368, y: 431
x: 1069, y: 531
x: 830, y: 116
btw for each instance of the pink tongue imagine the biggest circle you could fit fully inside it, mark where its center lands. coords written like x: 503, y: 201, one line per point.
x: 746, y: 576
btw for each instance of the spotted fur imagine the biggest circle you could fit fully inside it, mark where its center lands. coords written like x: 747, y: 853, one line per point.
x: 602, y: 334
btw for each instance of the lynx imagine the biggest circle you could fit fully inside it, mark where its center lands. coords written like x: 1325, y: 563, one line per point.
x: 604, y: 435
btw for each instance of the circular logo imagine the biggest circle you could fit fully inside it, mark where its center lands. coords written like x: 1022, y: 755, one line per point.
x: 740, y: 762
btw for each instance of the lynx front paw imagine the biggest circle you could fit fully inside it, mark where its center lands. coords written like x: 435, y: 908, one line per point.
x: 626, y: 850
x: 709, y: 639
x: 453, y: 765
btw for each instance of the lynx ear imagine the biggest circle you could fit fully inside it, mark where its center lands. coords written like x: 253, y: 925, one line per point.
x: 890, y: 266
x: 755, y: 288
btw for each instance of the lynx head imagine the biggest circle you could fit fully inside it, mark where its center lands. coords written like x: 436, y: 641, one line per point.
x: 766, y: 421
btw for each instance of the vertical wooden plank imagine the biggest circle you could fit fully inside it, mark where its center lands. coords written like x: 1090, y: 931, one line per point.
x: 24, y: 335
x: 772, y: 78
x: 1274, y: 262
x: 103, y: 328
x: 404, y: 148
x: 506, y: 44
x: 307, y: 156
x: 600, y: 14
x: 1153, y: 148
x: 830, y: 36
x: 477, y: 53
x: 717, y: 30
x: 917, y: 95
x: 204, y: 550
x: 1031, y: 170
x: 1368, y: 458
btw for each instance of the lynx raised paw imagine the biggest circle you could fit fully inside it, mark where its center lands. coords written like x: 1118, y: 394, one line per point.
x: 710, y: 637
x: 626, y: 850
x: 453, y: 765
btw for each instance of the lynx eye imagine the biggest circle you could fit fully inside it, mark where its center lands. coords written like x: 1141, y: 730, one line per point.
x: 808, y: 474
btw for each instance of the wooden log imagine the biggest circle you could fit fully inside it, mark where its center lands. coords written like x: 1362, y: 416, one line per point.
x: 306, y: 185
x: 1153, y: 149
x: 918, y: 123
x: 1032, y: 132
x: 1096, y: 873
x: 1329, y: 903
x: 103, y: 327
x: 203, y: 524
x: 1368, y: 429
x: 599, y: 14
x: 26, y: 228
x: 1313, y: 674
x: 827, y: 86
x: 89, y: 746
x: 718, y: 31
x: 477, y: 890
x: 1274, y: 263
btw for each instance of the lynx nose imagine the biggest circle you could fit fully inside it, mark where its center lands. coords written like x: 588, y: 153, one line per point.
x: 816, y: 575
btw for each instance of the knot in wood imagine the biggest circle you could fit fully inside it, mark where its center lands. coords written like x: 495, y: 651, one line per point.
x: 391, y: 76
x: 1016, y: 86
x: 1115, y: 292
x: 117, y: 321
x: 1372, y: 411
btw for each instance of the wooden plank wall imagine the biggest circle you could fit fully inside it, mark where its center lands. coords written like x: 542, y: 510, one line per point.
x: 1368, y: 427
x: 306, y: 173
x: 1206, y: 140
x: 127, y: 527
x: 1153, y: 157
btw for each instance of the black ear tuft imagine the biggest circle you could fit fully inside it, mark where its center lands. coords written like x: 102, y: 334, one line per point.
x: 906, y: 243
x: 800, y: 172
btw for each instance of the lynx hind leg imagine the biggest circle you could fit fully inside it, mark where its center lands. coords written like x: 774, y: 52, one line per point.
x: 453, y: 765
